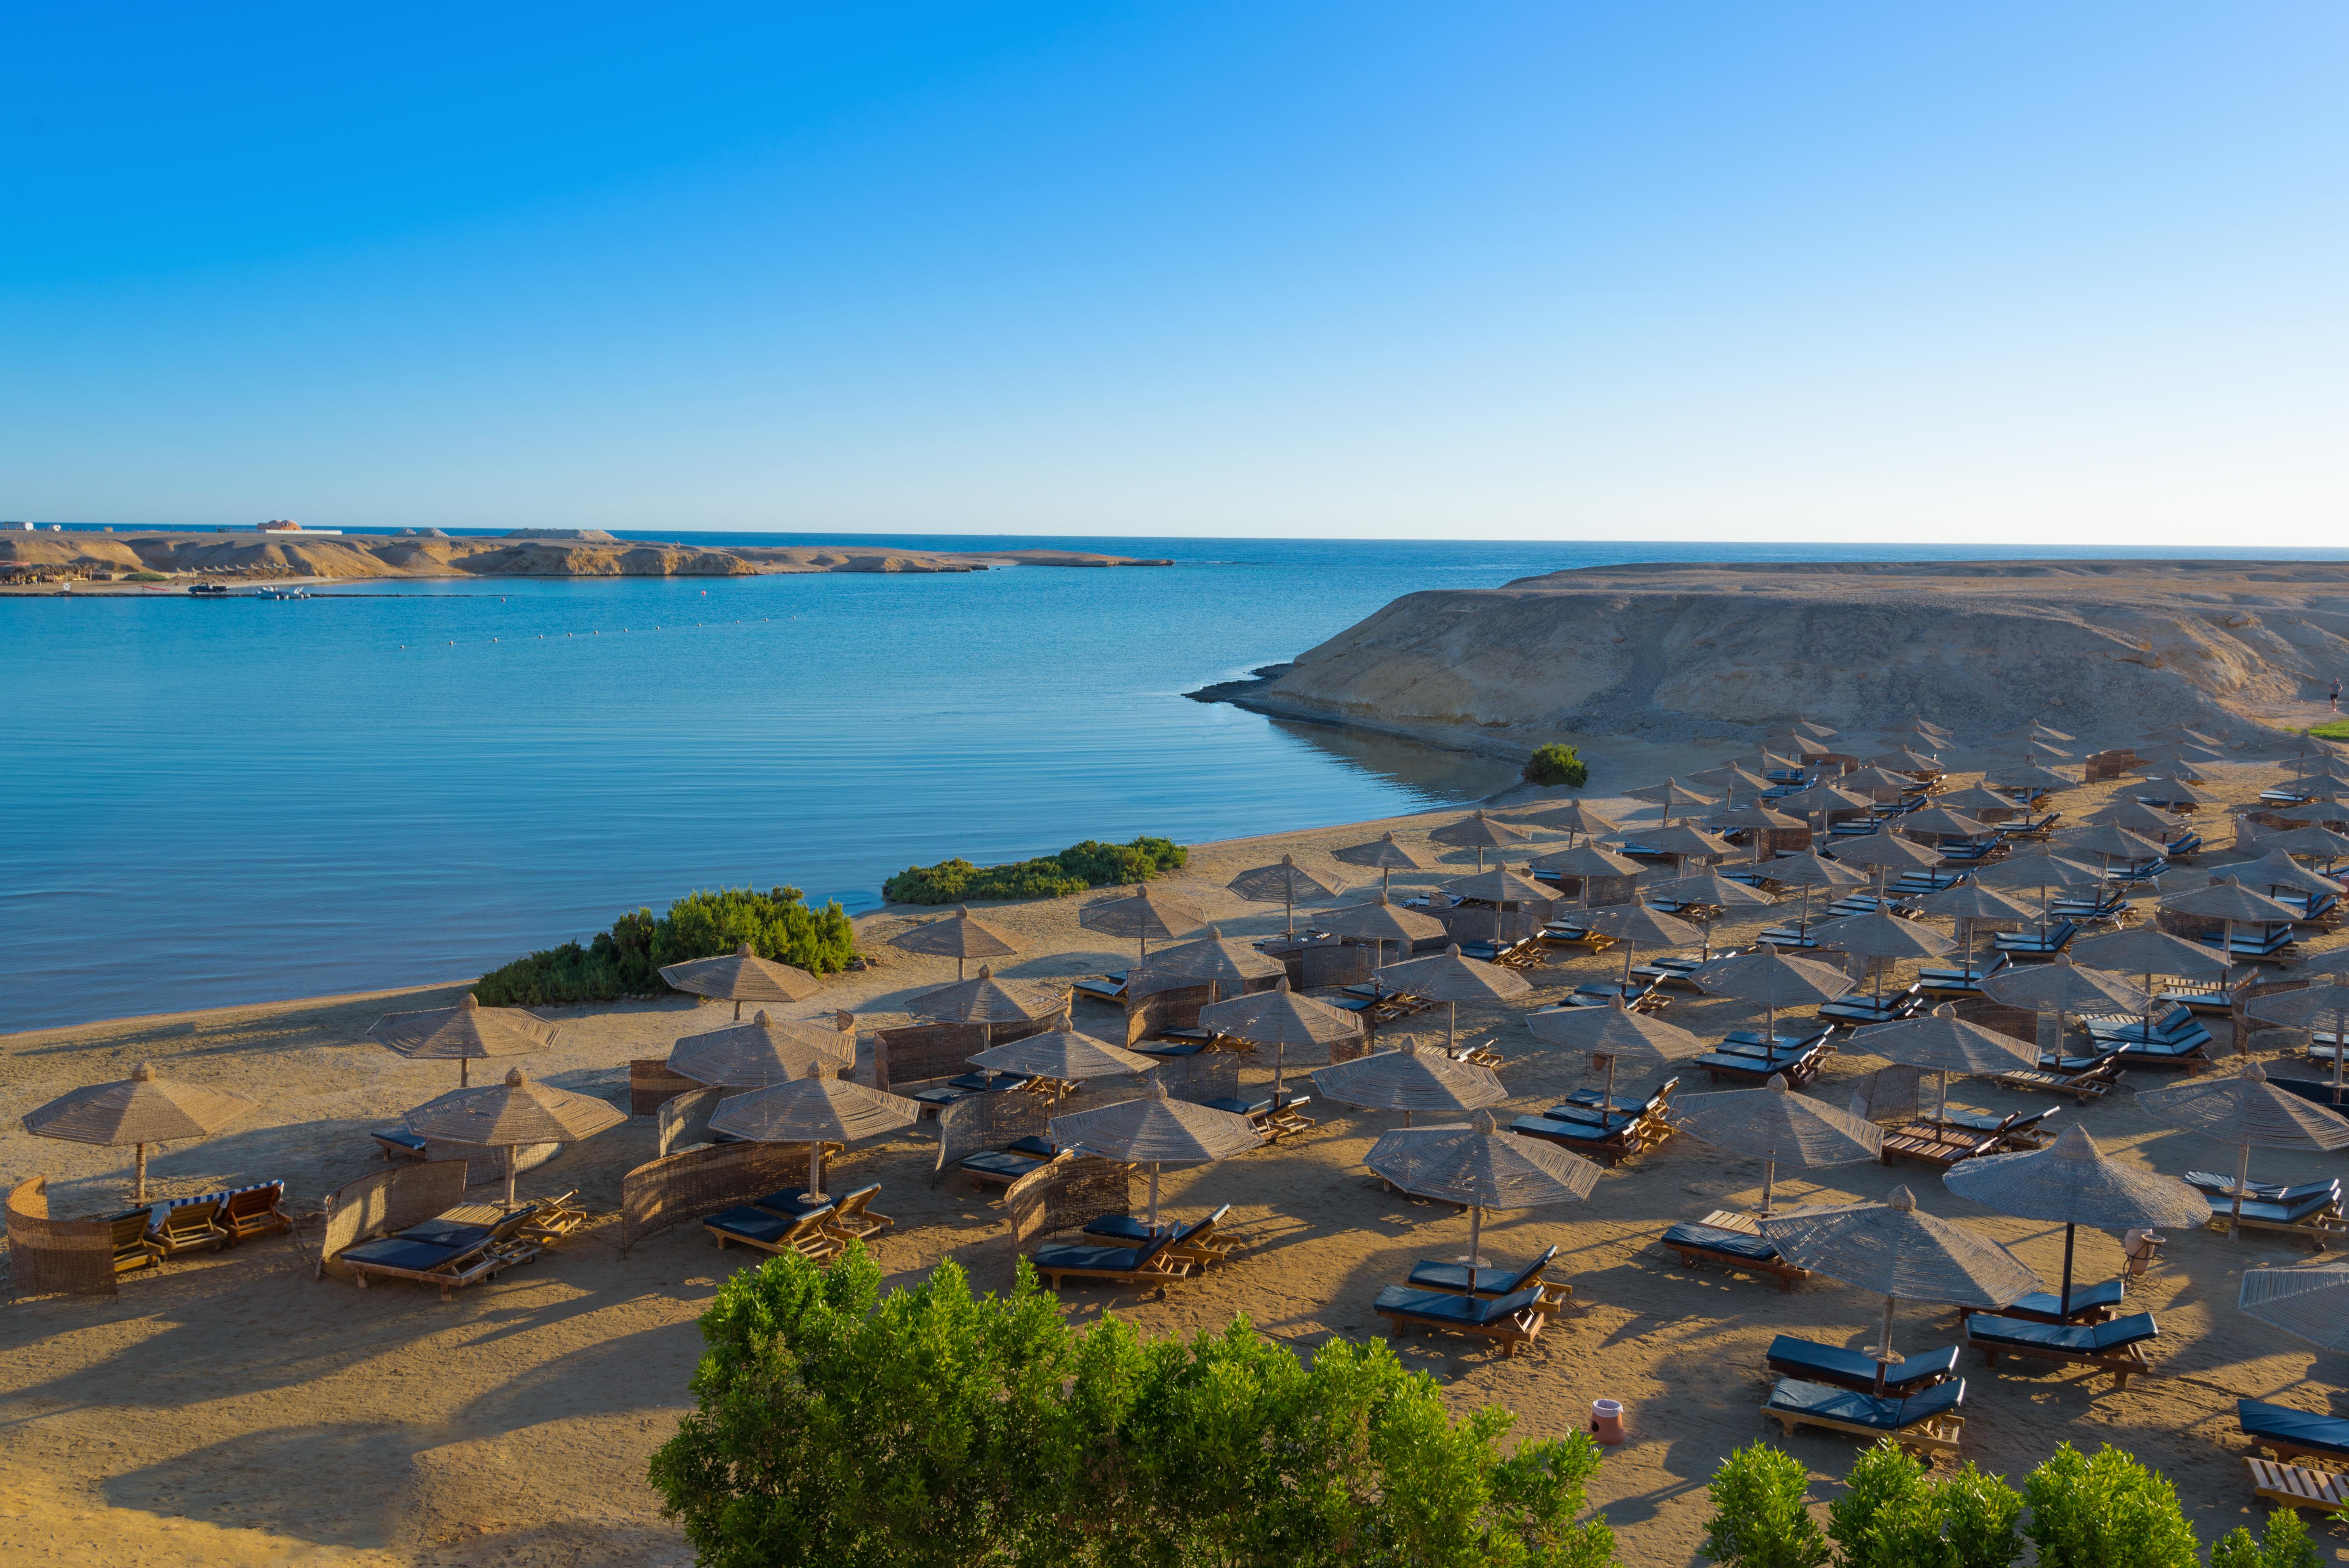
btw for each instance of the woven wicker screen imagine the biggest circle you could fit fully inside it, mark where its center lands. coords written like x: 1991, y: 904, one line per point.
x: 1172, y: 1009
x: 2249, y: 1031
x: 928, y: 1051
x: 1335, y: 964
x: 1067, y: 1196
x: 684, y: 1119
x: 1887, y: 1095
x: 2104, y: 765
x: 1202, y: 1078
x: 1347, y: 1050
x: 386, y: 1201
x: 651, y: 1086
x: 2016, y: 1023
x: 56, y: 1257
x: 678, y: 1188
x: 987, y: 1120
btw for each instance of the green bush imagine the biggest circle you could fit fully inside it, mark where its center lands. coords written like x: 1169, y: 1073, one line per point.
x: 1073, y: 869
x: 2108, y: 1511
x: 626, y: 960
x: 1894, y: 1515
x: 1761, y: 1517
x: 930, y: 1429
x: 1557, y: 764
x: 2283, y: 1545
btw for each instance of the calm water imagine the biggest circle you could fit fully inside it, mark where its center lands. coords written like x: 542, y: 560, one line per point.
x: 230, y: 801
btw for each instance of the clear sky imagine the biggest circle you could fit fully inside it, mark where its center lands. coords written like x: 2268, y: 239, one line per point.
x: 1723, y: 271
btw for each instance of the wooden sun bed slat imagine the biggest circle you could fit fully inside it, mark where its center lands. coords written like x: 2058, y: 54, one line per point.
x: 2297, y: 1486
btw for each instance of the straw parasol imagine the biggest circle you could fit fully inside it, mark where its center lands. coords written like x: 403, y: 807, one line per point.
x: 1973, y: 799
x: 2065, y: 986
x: 1729, y: 779
x: 1570, y: 819
x: 2041, y: 868
x: 2310, y: 1302
x: 765, y: 1050
x: 1900, y: 760
x: 1763, y: 819
x: 1669, y: 794
x: 517, y: 1111
x: 1778, y: 1127
x: 1381, y: 922
x: 2072, y: 1180
x: 1889, y: 1249
x: 1768, y: 976
x: 1381, y: 854
x: 1884, y: 851
x: 1802, y: 746
x: 1480, y: 1167
x: 1765, y: 762
x: 1942, y: 820
x: 2174, y: 789
x: 1449, y: 978
x: 2249, y: 1112
x: 2134, y: 816
x: 1213, y: 958
x: 1712, y: 890
x: 1684, y: 843
x: 1478, y: 832
x: 1063, y: 1057
x: 2112, y: 841
x: 1586, y: 861
x: 1280, y: 1019
x: 1282, y: 882
x: 1637, y: 925
x: 1142, y: 914
x: 1157, y: 1131
x: 1410, y: 1079
x: 1966, y: 905
x: 2318, y: 1003
x: 1614, y: 1032
x: 2035, y: 729
x: 2027, y: 774
x: 1879, y: 783
x: 2279, y: 869
x: 2040, y: 750
x: 1807, y: 726
x: 1880, y: 937
x: 1811, y: 869
x: 960, y: 936
x: 1942, y: 1043
x: 467, y: 1031
x: 1496, y: 887
x: 141, y: 1109
x: 987, y: 1001
x: 2229, y: 903
x: 2317, y: 842
x: 741, y: 976
x: 816, y: 1110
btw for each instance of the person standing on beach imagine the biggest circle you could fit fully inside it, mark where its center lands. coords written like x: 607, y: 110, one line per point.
x: 2336, y: 694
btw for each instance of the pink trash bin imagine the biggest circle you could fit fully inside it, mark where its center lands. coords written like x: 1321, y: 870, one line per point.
x: 1607, y: 1420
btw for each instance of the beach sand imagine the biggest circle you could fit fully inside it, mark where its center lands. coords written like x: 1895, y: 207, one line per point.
x: 236, y: 1410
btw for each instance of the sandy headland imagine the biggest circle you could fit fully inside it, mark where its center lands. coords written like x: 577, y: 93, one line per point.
x: 235, y: 1408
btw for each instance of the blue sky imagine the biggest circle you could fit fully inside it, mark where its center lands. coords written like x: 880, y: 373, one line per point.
x: 1496, y: 271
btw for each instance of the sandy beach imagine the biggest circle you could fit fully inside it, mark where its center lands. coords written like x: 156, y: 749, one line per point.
x: 236, y: 1410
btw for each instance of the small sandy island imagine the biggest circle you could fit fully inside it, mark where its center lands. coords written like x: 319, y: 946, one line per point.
x: 235, y: 1409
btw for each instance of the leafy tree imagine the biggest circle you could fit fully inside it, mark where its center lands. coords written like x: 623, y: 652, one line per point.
x: 1557, y: 764
x: 2283, y: 1545
x: 1887, y: 1517
x: 1978, y: 1518
x: 1761, y: 1513
x: 1080, y: 866
x: 626, y: 960
x: 2109, y: 1512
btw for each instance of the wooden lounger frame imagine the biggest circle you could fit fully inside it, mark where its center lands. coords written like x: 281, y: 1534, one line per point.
x: 806, y: 1237
x: 1512, y: 1333
x: 2297, y: 1486
x: 1787, y: 1273
x: 2094, y: 1083
x: 1928, y: 1438
x: 1160, y: 1269
x: 507, y: 1246
x: 2119, y: 1363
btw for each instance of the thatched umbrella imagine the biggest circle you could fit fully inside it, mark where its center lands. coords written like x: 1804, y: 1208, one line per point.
x: 1381, y: 854
x: 2174, y: 791
x: 1586, y: 861
x: 2035, y: 729
x: 2229, y: 902
x: 2072, y: 1180
x: 1941, y: 821
x: 1142, y: 914
x: 1280, y: 1019
x: 1966, y: 905
x: 1902, y: 760
x: 1778, y: 1127
x: 1157, y: 1131
x: 2041, y: 868
x: 515, y: 1112
x: 2025, y: 774
x: 816, y: 1110
x: 2135, y: 817
x: 1496, y: 887
x: 1806, y: 746
x: 765, y: 1050
x: 2063, y: 987
x: 1811, y: 869
x: 1889, y: 1249
x: 1637, y: 925
x: 1063, y: 1057
x: 1282, y: 882
x: 1877, y: 784
x: 741, y: 976
x: 1765, y: 762
x: 1942, y: 1043
x: 986, y: 1001
x: 2041, y: 751
x: 1478, y: 832
x: 1382, y: 923
x: 141, y: 1109
x: 960, y: 936
x: 2144, y: 950
x: 2321, y: 1002
x: 1881, y: 938
x: 2174, y: 733
x: 1570, y: 819
x: 1212, y: 958
x: 2316, y: 842
x: 1614, y: 1032
x: 2309, y: 1302
x: 1807, y: 726
x: 1669, y: 794
x: 1714, y: 890
x: 1449, y: 978
x: 1882, y: 852
x: 2249, y: 1112
x: 1480, y: 1167
x: 1973, y: 799
x: 1729, y: 779
x: 1685, y: 843
x: 2111, y: 841
x: 1761, y: 823
x: 467, y: 1031
x: 1768, y: 976
x: 2277, y: 871
x: 1410, y: 1079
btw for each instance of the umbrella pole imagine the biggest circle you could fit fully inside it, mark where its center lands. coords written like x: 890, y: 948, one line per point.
x: 1451, y: 1026
x: 1290, y: 902
x: 1475, y: 1229
x: 1942, y: 1107
x: 2242, y: 1178
x: 737, y: 1001
x: 1769, y: 1182
x: 509, y: 1178
x: 1609, y: 1109
x: 2063, y: 1301
x: 1803, y: 921
x: 1884, y: 1346
x: 2338, y: 1016
x: 1279, y: 1060
x: 138, y: 1175
x: 1386, y: 880
x: 815, y: 1165
x: 1153, y: 1197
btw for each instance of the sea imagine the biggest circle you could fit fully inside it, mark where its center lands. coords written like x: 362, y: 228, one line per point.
x: 395, y: 782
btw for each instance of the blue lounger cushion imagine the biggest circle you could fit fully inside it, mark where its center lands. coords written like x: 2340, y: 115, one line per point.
x: 792, y: 1202
x: 1983, y: 1122
x: 2291, y: 1214
x: 2079, y: 1338
x: 1137, y: 1233
x: 2326, y: 1434
x: 2266, y: 1191
x: 754, y: 1224
x: 1589, y: 1099
x: 997, y: 1162
x: 2084, y: 1298
x: 399, y: 1135
x: 401, y: 1253
x: 1489, y: 1282
x: 1109, y: 1260
x: 1472, y: 1311
x: 1242, y: 1106
x: 1039, y: 1148
x: 1733, y: 1244
x: 446, y: 1233
x: 1794, y: 1357
x: 1559, y: 1132
x: 1852, y: 1408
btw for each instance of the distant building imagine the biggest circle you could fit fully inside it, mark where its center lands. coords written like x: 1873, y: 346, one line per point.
x: 26, y: 526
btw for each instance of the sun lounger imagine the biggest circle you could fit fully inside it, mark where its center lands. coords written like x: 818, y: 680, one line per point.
x: 2103, y: 910
x: 255, y: 1210
x: 1943, y: 1146
x: 449, y: 1254
x: 2019, y: 1131
x: 1698, y: 1244
x: 1927, y: 1423
x: 1641, y: 997
x: 852, y: 1218
x: 2297, y: 1486
x: 1509, y: 1321
x: 398, y: 1143
x: 2118, y: 1346
x: 1158, y: 1262
x: 1864, y: 1010
x: 1792, y: 1357
x: 1597, y: 1099
x: 1798, y: 1068
x: 1680, y: 972
x: 2313, y: 907
x: 1800, y: 937
x: 1109, y: 988
x: 1200, y: 1243
x: 2288, y: 1433
x: 2090, y: 1304
x: 1002, y: 1167
x: 2093, y: 1081
x: 2255, y: 944
x: 2265, y: 1191
x: 1492, y: 1284
x: 1918, y: 883
x: 189, y: 1228
x: 2316, y: 1091
x: 2315, y: 1217
x: 2201, y: 995
x: 2034, y: 944
x: 132, y: 1251
x: 753, y: 1226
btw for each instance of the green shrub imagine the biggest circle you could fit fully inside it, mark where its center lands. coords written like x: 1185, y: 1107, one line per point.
x: 1893, y: 1514
x: 1978, y: 1518
x: 2332, y: 729
x: 1761, y: 1517
x: 1557, y: 764
x: 933, y: 1428
x: 626, y: 960
x: 1073, y: 869
x: 2283, y: 1545
x: 2108, y: 1511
